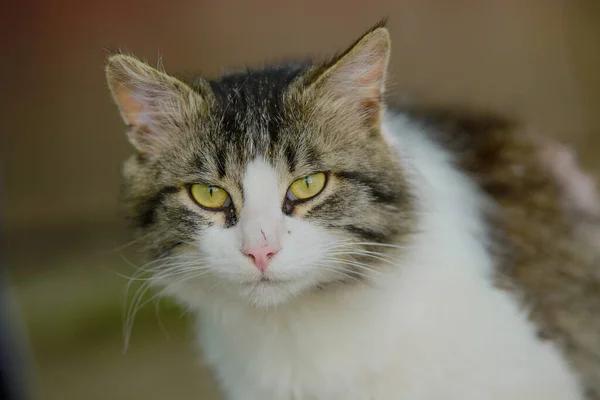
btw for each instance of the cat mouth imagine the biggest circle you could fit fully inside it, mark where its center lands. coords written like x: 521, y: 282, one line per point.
x: 266, y: 281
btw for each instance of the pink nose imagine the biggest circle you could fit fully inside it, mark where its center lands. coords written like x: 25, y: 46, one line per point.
x: 261, y: 256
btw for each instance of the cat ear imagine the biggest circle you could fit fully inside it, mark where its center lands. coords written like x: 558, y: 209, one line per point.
x: 153, y: 104
x: 356, y: 78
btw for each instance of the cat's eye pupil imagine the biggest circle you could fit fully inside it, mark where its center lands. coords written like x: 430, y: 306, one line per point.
x: 308, y: 181
x: 210, y: 190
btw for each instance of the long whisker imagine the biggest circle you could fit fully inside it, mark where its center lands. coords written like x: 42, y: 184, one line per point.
x: 363, y: 253
x: 342, y: 271
x: 160, y: 324
x: 138, y: 304
x: 395, y: 246
x: 355, y: 264
x: 177, y: 268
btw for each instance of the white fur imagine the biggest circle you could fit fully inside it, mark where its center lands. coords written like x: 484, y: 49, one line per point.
x: 434, y: 327
x: 261, y: 218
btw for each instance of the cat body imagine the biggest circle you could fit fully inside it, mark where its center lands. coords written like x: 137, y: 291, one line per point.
x: 333, y: 249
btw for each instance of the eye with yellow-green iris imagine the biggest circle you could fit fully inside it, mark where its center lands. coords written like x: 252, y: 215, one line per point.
x: 210, y: 197
x: 307, y: 187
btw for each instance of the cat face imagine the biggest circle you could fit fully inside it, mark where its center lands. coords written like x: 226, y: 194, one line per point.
x: 264, y: 185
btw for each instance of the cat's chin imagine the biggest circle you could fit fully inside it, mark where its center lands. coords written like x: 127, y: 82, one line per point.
x: 270, y: 293
x: 260, y: 293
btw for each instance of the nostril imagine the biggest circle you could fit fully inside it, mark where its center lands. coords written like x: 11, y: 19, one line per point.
x: 261, y: 256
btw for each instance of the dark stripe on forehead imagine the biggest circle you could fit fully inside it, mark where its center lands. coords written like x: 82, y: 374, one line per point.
x: 274, y: 119
x: 205, y: 158
x: 250, y: 106
x: 221, y: 158
x: 304, y: 157
x: 291, y: 157
x: 312, y: 156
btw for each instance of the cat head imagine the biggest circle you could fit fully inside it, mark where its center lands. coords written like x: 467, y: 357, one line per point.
x: 264, y: 185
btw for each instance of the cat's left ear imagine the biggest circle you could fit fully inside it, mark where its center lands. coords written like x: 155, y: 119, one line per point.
x: 355, y: 80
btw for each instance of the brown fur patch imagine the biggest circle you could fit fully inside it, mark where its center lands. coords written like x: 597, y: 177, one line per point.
x: 535, y: 237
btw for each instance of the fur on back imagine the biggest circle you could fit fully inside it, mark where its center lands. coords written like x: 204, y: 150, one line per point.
x: 444, y: 256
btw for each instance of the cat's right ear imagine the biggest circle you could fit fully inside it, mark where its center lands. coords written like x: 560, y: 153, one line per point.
x: 154, y: 105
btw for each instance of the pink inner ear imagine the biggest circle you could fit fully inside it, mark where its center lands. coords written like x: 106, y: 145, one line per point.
x: 132, y: 108
x: 362, y: 77
x: 360, y: 80
x: 371, y: 76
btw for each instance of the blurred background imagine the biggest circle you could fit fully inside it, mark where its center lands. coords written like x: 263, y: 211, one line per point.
x: 62, y: 144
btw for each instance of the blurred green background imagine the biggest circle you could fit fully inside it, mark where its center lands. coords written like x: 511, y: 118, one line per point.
x: 62, y: 143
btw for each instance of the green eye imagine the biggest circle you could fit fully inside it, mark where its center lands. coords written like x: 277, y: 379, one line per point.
x: 307, y: 187
x: 208, y: 196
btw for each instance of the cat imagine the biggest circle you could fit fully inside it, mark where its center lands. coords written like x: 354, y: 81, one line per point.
x: 333, y: 247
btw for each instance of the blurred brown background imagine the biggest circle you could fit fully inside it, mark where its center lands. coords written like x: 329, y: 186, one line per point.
x: 62, y: 143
